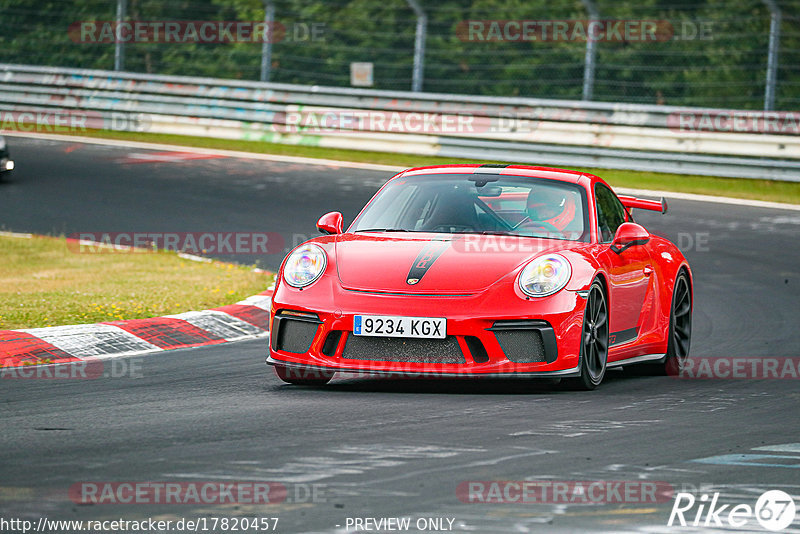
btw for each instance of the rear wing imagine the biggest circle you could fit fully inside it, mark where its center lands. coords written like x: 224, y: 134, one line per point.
x: 641, y: 203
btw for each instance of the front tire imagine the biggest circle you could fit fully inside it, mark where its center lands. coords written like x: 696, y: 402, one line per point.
x: 594, y: 339
x: 303, y: 377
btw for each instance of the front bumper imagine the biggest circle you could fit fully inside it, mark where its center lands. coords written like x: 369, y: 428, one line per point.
x: 401, y: 373
x: 489, y: 334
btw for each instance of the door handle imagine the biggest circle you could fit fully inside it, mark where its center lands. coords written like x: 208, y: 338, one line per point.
x: 648, y: 270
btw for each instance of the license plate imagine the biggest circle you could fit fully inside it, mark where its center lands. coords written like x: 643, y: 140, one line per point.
x: 393, y: 326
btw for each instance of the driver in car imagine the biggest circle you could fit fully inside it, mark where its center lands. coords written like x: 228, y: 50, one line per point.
x: 549, y: 208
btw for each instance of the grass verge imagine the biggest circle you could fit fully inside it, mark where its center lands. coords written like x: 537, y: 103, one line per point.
x: 786, y: 192
x: 42, y: 283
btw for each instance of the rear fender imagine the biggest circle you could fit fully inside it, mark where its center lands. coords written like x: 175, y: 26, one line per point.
x: 667, y: 262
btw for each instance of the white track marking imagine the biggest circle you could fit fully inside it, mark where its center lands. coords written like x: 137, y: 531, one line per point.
x: 785, y: 447
x: 193, y: 257
x: 16, y: 234
x: 168, y: 157
x: 93, y: 340
x: 574, y: 429
x: 259, y: 301
x: 345, y: 460
x: 221, y: 324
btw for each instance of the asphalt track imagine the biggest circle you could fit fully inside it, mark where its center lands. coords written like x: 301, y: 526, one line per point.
x: 392, y: 448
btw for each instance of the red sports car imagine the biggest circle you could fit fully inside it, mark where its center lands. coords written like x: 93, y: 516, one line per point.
x: 483, y: 271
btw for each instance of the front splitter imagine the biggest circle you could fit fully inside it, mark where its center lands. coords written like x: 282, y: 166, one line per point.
x: 564, y: 373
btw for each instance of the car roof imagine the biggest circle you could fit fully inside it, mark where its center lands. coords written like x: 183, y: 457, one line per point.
x: 532, y: 171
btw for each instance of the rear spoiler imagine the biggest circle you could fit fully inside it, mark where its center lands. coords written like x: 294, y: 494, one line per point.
x: 641, y: 203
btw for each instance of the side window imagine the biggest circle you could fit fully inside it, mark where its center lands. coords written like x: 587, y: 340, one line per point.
x: 610, y: 213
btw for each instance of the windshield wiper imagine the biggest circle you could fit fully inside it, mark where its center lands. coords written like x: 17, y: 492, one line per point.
x: 488, y: 232
x: 383, y: 230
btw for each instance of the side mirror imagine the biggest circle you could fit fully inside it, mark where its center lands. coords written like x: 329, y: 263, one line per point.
x: 628, y: 235
x: 330, y: 223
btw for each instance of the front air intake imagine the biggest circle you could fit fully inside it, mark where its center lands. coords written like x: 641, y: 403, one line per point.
x: 294, y: 332
x: 526, y: 341
x: 396, y: 349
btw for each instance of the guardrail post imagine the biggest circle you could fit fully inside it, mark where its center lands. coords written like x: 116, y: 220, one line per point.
x: 266, y: 45
x: 119, y: 47
x: 591, y: 52
x: 772, y: 54
x: 419, y: 45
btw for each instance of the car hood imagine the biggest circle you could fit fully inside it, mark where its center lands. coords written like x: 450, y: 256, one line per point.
x: 433, y: 263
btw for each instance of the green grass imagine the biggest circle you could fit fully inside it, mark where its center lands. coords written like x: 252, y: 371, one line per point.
x: 43, y: 283
x: 787, y: 192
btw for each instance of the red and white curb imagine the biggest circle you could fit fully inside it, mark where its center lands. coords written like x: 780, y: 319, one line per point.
x: 247, y: 319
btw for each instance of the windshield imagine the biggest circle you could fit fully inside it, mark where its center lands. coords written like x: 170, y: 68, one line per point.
x: 479, y: 204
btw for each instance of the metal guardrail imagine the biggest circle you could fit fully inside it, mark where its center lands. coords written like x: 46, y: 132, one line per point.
x: 525, y: 130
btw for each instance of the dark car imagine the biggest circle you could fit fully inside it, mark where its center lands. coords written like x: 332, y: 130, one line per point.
x: 6, y: 163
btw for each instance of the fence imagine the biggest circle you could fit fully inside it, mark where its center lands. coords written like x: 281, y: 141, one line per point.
x: 742, y: 54
x: 548, y: 132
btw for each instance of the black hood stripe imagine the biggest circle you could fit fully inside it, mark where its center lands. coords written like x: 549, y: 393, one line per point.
x: 429, y: 254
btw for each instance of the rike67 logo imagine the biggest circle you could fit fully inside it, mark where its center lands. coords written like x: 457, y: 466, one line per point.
x: 774, y: 510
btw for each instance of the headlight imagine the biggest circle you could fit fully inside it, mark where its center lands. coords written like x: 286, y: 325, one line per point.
x: 304, y: 265
x: 545, y: 275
